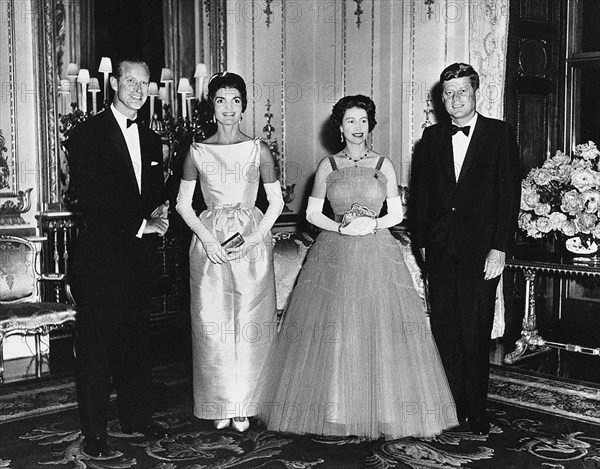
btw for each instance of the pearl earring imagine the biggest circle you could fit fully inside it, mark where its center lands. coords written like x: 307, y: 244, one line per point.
x: 341, y: 136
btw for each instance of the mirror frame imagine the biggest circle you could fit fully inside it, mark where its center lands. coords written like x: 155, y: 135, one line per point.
x: 47, y: 23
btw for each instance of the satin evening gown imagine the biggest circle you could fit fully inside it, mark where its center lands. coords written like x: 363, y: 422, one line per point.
x: 233, y: 305
x: 355, y: 354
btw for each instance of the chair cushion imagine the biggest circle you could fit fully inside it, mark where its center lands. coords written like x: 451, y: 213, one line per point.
x: 31, y: 316
x: 17, y: 279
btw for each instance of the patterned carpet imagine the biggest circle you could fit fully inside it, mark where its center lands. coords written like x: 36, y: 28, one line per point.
x: 537, y: 423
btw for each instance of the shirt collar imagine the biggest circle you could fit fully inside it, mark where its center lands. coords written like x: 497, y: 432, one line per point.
x: 471, y: 123
x: 121, y: 118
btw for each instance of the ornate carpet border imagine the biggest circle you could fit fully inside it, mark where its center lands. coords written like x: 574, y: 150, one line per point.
x: 23, y: 403
x: 574, y: 401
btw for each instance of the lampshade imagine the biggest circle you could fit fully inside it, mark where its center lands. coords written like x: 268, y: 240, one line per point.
x: 162, y: 93
x: 94, y: 86
x: 166, y: 75
x: 184, y: 86
x: 65, y: 86
x: 83, y: 76
x: 153, y: 89
x: 201, y: 71
x: 72, y: 70
x: 105, y: 65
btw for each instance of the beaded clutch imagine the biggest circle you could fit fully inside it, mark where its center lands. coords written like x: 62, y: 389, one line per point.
x: 356, y: 211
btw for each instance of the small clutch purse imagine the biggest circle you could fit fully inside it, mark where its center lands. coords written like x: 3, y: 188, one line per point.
x: 356, y: 211
x: 233, y: 242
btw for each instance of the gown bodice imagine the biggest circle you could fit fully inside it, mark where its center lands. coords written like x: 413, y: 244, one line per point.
x: 229, y: 174
x: 356, y: 184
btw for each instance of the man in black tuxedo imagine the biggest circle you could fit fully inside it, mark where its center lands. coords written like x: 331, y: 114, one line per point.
x: 117, y: 176
x: 465, y: 200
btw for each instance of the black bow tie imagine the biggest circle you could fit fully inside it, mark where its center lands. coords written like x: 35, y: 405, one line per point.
x: 137, y: 121
x: 464, y: 130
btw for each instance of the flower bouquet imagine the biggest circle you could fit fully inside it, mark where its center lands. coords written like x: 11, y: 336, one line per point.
x: 562, y: 199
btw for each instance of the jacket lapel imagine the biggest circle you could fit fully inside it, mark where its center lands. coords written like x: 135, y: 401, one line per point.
x: 447, y: 155
x: 146, y: 150
x: 117, y: 140
x: 475, y: 146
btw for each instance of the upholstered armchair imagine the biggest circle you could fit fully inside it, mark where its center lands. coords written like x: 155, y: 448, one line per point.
x: 21, y: 309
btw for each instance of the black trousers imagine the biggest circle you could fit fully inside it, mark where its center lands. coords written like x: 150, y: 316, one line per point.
x: 112, y: 350
x: 462, y: 316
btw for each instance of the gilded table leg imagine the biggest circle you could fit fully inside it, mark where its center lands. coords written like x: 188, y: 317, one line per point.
x: 530, y: 339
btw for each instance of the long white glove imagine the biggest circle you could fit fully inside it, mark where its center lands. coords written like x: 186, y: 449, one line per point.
x: 314, y: 214
x: 213, y: 249
x: 275, y: 199
x: 394, y: 215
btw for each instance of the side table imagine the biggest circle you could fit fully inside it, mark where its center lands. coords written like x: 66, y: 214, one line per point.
x: 530, y: 339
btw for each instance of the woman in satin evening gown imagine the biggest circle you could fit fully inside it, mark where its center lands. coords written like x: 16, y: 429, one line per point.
x: 354, y: 354
x: 233, y: 306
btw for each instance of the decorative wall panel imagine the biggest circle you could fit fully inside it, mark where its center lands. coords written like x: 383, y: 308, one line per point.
x: 302, y: 57
x: 535, y: 10
x: 533, y: 134
x: 8, y: 122
x: 18, y: 145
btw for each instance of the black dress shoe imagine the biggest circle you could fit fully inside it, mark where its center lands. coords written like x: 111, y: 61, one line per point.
x: 479, y: 425
x: 149, y: 430
x: 96, y: 446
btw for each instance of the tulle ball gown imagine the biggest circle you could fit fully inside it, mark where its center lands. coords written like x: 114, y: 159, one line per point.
x: 354, y: 354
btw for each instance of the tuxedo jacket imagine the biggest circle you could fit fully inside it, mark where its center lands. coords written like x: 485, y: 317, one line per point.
x: 477, y: 212
x: 110, y: 264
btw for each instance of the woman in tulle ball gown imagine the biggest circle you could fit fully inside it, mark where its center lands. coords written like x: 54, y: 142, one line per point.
x: 354, y: 354
x: 232, y: 289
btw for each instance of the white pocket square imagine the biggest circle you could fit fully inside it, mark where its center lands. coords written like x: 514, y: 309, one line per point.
x: 154, y: 163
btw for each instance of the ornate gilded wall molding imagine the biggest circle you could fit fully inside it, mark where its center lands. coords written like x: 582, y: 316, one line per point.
x: 429, y: 4
x: 358, y: 12
x: 10, y: 212
x: 4, y: 167
x: 8, y: 156
x: 51, y: 191
x: 282, y: 175
x: 254, y: 68
x: 428, y: 112
x: 344, y: 49
x: 267, y: 11
x: 219, y: 34
x: 44, y: 48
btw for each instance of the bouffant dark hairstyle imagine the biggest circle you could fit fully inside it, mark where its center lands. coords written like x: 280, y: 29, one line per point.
x: 227, y: 80
x: 459, y: 70
x: 349, y: 102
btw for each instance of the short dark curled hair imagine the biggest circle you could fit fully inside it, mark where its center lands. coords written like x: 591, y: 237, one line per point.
x: 227, y: 80
x: 459, y: 70
x: 349, y: 102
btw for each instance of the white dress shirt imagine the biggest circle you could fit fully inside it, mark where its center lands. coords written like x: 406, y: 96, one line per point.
x: 132, y: 139
x: 460, y: 144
